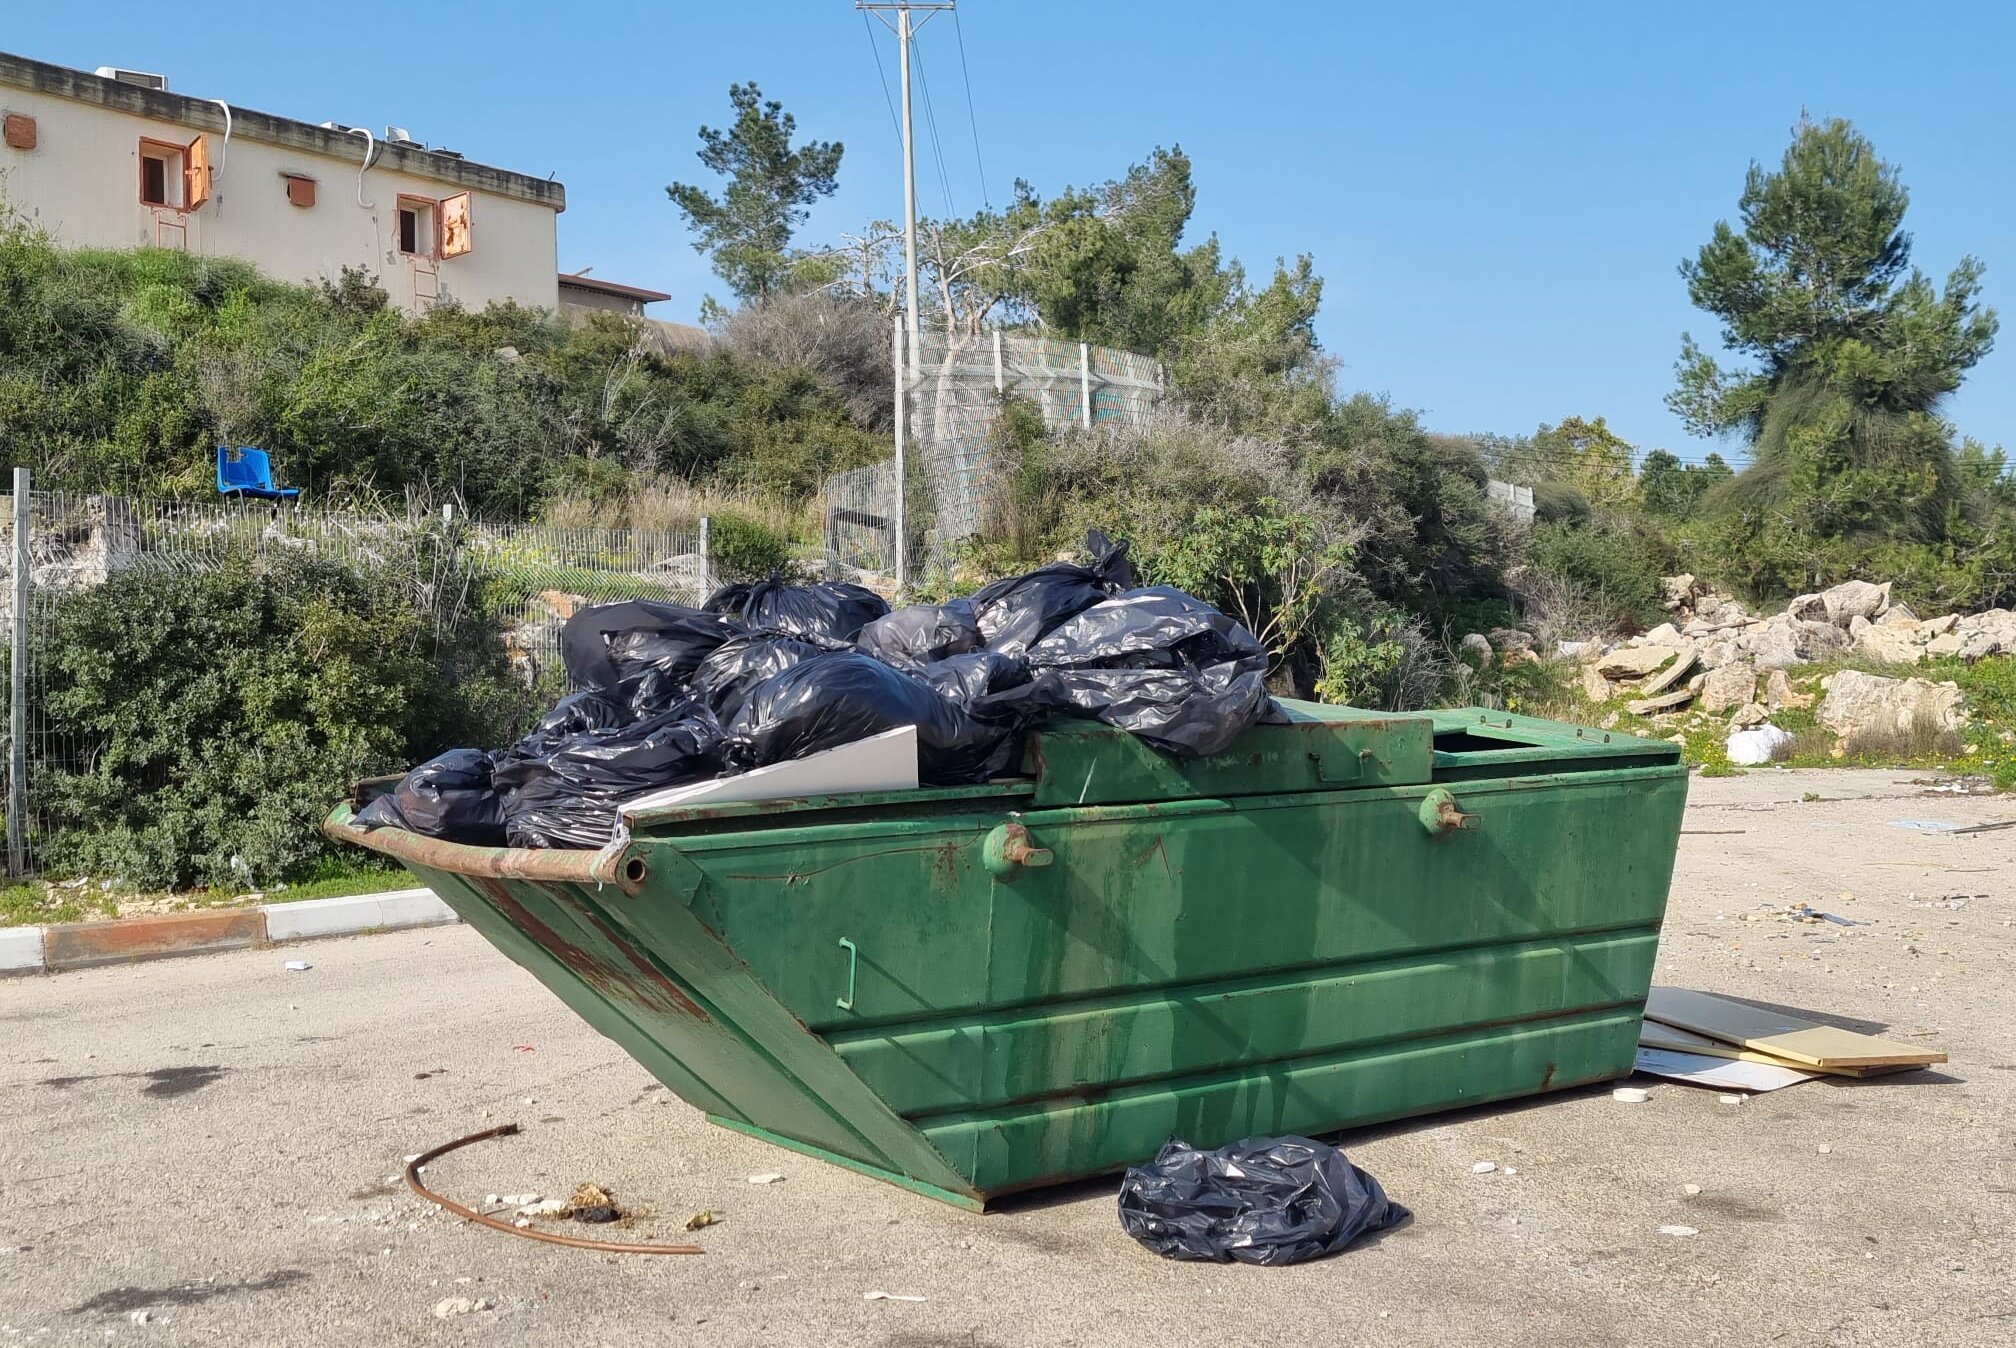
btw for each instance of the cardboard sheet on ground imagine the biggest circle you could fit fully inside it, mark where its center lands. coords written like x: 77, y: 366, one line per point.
x: 884, y: 762
x: 1653, y: 1034
x: 1722, y: 1073
x: 1781, y: 1035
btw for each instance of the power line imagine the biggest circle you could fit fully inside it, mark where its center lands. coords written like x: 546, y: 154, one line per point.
x: 876, y: 49
x: 972, y: 118
x: 931, y: 124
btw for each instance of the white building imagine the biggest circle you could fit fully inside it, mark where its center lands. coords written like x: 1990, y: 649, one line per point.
x: 117, y: 160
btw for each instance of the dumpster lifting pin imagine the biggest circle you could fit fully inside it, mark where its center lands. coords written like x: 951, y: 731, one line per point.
x: 1008, y: 849
x: 1440, y: 815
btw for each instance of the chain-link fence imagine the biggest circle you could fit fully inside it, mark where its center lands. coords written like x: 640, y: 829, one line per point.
x: 532, y: 578
x: 950, y: 412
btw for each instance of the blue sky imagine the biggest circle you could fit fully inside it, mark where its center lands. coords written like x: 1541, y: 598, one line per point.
x: 1496, y: 194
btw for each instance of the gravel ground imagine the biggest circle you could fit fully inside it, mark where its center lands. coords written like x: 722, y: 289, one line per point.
x: 202, y: 1151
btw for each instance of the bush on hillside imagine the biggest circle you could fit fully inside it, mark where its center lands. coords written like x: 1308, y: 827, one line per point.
x: 216, y: 717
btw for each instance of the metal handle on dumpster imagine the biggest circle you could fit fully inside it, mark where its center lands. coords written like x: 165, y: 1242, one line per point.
x: 853, y: 965
x: 1441, y: 816
x: 1009, y: 848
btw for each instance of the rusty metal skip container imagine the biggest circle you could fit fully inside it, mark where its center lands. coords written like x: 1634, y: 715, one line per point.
x: 1350, y: 918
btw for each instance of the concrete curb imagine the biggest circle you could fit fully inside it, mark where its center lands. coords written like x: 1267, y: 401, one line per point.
x: 83, y: 945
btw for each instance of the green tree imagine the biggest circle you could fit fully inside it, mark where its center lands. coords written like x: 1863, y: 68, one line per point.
x: 1672, y: 489
x: 748, y: 227
x: 1846, y: 353
x: 1585, y: 455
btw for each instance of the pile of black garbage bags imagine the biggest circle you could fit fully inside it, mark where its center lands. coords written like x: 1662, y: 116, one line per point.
x: 766, y: 672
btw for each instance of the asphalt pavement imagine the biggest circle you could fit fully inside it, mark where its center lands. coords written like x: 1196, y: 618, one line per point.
x: 205, y: 1150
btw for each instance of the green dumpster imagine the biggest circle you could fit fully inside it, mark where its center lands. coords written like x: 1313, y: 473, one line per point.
x: 1353, y: 917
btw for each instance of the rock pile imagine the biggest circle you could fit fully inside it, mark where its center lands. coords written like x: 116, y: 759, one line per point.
x: 1717, y: 657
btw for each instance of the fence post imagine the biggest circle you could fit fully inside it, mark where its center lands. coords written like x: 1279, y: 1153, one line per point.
x: 1000, y: 374
x: 17, y: 719
x: 902, y: 523
x: 1085, y: 382
x: 706, y: 557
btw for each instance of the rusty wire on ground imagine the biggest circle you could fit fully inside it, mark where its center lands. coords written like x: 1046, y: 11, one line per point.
x: 530, y: 1233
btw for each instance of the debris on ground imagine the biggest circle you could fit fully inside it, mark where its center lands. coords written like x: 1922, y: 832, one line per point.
x: 592, y: 1203
x: 1679, y: 1231
x: 768, y: 1177
x: 1630, y: 1095
x: 1796, y: 1042
x: 298, y: 966
x: 1483, y: 1167
x: 1265, y: 1200
x: 447, y: 1308
x: 705, y: 1217
x: 544, y: 1208
x: 888, y: 1296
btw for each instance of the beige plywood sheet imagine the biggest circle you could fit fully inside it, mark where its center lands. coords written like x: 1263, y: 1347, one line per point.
x: 1790, y: 1038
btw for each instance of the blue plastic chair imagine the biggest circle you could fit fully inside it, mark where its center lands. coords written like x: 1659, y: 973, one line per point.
x: 246, y: 471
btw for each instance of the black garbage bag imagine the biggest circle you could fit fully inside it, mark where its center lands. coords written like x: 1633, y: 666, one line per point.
x: 1265, y: 1200
x: 977, y: 674
x: 1159, y: 663
x: 739, y: 664
x: 842, y: 697
x: 451, y: 796
x: 921, y: 634
x: 643, y: 649
x: 568, y: 795
x: 589, y: 709
x: 1014, y: 614
x: 830, y: 609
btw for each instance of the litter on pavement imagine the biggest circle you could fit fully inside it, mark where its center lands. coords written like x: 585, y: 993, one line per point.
x: 1266, y: 1200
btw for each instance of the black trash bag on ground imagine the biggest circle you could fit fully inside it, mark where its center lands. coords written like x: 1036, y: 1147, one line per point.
x: 829, y: 609
x: 1158, y: 663
x: 921, y: 634
x: 644, y: 648
x: 569, y: 795
x: 1014, y: 614
x: 739, y: 664
x: 842, y: 697
x: 970, y: 677
x: 452, y: 796
x: 1265, y: 1200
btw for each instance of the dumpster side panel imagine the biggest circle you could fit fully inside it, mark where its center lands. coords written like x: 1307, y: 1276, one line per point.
x: 1043, y: 1143
x: 1015, y: 1056
x: 691, y: 1016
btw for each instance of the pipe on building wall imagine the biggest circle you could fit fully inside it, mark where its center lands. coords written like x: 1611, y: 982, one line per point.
x: 224, y: 151
x: 370, y: 153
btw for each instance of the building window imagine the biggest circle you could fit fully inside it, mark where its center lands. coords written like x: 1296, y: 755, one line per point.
x: 300, y: 190
x: 162, y: 173
x: 417, y: 227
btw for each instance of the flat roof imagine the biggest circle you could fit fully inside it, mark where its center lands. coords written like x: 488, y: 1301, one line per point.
x: 581, y: 282
x: 203, y: 114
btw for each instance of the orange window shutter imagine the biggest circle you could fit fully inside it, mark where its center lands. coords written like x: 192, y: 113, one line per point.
x: 197, y: 171
x: 455, y: 225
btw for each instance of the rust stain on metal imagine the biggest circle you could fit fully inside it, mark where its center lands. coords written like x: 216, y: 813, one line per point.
x: 799, y: 877
x: 945, y: 868
x: 511, y: 863
x: 1547, y: 1077
x: 656, y: 991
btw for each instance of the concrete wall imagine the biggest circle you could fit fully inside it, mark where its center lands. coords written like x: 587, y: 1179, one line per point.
x: 581, y: 297
x: 81, y: 184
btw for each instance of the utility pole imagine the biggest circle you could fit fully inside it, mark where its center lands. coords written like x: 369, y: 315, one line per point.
x: 904, y: 29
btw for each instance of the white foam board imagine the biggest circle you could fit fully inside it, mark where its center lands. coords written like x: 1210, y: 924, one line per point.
x: 884, y: 762
x: 1698, y: 1069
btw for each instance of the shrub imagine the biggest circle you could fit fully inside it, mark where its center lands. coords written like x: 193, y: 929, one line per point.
x: 218, y: 715
x: 1615, y: 568
x: 742, y: 549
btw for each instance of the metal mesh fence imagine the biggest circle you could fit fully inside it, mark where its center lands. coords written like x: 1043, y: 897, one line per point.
x: 531, y: 579
x: 950, y: 415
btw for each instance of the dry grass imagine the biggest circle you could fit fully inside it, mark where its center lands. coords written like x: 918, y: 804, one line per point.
x: 674, y: 505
